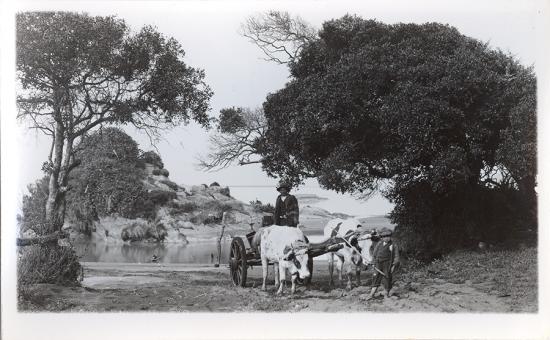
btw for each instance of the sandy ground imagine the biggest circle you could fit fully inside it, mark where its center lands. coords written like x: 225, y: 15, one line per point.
x: 176, y: 287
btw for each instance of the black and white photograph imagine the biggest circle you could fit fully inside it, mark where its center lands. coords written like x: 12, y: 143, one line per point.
x: 328, y: 166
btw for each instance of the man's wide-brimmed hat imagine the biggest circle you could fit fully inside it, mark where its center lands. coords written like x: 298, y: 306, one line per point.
x: 284, y: 185
x: 385, y: 232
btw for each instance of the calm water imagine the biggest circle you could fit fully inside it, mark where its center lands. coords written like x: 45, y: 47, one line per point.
x: 196, y: 253
x: 204, y: 252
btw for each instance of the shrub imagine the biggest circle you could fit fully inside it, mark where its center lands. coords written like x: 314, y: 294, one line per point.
x: 151, y: 157
x: 48, y: 264
x: 217, y: 207
x: 207, y: 218
x: 164, y: 172
x: 161, y: 197
x: 161, y: 172
x: 214, y: 184
x: 144, y: 232
x: 225, y: 191
x: 170, y: 184
x: 260, y: 207
x: 145, y: 208
x: 431, y: 224
x: 34, y: 206
x: 181, y: 208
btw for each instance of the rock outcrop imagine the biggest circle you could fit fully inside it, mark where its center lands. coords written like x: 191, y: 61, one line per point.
x: 186, y: 213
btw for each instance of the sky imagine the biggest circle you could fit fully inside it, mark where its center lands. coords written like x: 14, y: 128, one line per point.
x: 239, y: 76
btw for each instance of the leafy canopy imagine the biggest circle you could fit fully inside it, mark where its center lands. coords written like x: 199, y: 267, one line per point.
x: 447, y: 122
x: 369, y: 101
x: 109, y: 179
x: 95, y: 70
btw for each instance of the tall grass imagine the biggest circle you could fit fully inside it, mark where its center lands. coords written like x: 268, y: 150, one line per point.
x: 48, y: 264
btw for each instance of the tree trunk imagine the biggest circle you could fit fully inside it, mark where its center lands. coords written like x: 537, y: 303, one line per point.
x: 52, y: 203
x: 61, y: 162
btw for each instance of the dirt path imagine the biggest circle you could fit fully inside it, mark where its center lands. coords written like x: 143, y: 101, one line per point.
x: 152, y: 287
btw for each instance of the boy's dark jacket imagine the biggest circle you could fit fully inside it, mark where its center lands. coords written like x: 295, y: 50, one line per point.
x: 383, y: 253
x: 288, y: 207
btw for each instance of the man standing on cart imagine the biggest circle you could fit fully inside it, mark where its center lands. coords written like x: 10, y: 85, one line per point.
x: 286, y: 207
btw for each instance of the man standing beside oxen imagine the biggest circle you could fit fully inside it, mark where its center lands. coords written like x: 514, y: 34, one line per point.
x: 386, y: 260
x: 286, y: 207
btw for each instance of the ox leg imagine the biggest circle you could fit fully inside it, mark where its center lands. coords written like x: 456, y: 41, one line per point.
x: 348, y: 275
x: 340, y: 269
x: 358, y: 276
x: 282, y: 274
x: 293, y: 277
x: 331, y: 269
x: 265, y: 266
x: 276, y: 270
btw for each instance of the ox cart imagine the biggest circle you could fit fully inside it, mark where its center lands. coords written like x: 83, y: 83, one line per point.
x: 242, y: 256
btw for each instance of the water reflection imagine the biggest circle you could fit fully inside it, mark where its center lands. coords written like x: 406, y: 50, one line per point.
x: 193, y: 253
x: 205, y: 252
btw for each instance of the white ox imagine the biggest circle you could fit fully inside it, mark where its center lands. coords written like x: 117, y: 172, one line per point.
x: 287, y: 248
x: 357, y: 249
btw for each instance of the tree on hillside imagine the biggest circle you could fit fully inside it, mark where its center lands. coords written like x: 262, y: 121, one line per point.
x: 421, y: 106
x: 109, y: 179
x: 77, y: 72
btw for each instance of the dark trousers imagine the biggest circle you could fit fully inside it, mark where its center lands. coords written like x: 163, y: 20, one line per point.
x: 385, y: 267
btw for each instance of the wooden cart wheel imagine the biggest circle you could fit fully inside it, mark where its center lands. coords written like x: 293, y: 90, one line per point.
x: 237, y: 262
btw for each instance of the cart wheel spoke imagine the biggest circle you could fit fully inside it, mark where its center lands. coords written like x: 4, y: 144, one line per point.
x: 237, y: 260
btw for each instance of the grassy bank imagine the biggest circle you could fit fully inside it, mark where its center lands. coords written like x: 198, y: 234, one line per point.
x: 504, y: 273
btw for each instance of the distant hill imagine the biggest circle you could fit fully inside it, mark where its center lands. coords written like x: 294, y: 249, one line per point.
x: 309, y: 198
x: 377, y: 222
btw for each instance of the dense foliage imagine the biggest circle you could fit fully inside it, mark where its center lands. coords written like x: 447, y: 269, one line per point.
x: 152, y: 157
x: 445, y: 121
x: 109, y: 179
x: 33, y: 209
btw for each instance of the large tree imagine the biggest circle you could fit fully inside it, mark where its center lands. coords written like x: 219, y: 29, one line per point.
x: 77, y: 72
x: 440, y: 116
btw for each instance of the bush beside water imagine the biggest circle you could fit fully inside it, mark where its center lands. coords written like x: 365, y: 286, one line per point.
x: 48, y: 264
